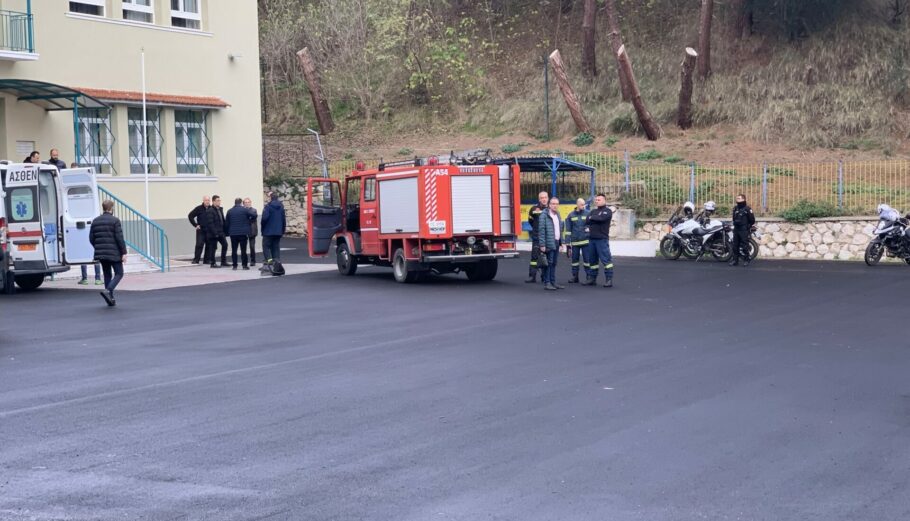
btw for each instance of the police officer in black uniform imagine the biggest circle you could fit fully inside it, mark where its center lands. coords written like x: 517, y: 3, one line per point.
x: 743, y: 221
x: 533, y: 215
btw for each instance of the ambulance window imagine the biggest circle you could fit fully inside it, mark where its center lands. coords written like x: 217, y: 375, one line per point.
x: 369, y: 189
x: 22, y: 205
x: 80, y: 199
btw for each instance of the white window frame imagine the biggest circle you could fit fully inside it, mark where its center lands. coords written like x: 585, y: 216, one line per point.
x: 189, y: 15
x: 97, y: 3
x: 153, y: 134
x: 182, y: 128
x: 129, y: 5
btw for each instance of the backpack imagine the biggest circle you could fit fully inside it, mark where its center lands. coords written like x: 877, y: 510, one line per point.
x: 276, y: 268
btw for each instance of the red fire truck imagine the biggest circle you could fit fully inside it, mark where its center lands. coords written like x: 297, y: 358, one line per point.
x: 419, y: 217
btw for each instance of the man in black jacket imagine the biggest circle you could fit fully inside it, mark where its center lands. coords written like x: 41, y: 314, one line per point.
x: 106, y: 236
x: 599, y: 242
x: 237, y: 223
x: 743, y: 221
x: 534, y: 220
x: 213, y: 225
x: 254, y: 228
x: 195, y: 217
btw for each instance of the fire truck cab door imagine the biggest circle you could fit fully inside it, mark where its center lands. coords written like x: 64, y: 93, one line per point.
x: 324, y: 215
x: 80, y: 207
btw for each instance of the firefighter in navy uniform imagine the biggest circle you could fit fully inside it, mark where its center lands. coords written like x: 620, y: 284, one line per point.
x: 533, y: 215
x: 743, y: 222
x: 577, y: 239
x: 599, y: 242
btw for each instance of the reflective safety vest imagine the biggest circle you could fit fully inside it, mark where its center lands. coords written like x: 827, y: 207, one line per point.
x: 576, y: 230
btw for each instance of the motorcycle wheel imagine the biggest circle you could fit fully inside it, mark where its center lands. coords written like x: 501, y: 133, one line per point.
x: 753, y: 252
x: 670, y: 248
x: 725, y: 256
x: 907, y: 260
x: 874, y: 253
x: 688, y: 253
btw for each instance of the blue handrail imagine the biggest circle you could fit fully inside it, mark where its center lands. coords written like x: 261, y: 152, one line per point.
x: 16, y: 31
x: 141, y: 234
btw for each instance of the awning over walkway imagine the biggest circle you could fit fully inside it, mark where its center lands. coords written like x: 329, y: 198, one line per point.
x: 156, y: 98
x: 552, y: 165
x: 50, y: 96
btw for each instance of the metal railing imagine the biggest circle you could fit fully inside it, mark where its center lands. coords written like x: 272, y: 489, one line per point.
x: 141, y: 234
x: 16, y: 31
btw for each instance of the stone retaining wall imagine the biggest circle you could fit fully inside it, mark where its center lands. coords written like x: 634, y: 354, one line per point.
x: 294, y: 209
x: 835, y: 238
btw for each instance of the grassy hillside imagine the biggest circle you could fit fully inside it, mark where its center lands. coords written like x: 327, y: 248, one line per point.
x: 476, y: 67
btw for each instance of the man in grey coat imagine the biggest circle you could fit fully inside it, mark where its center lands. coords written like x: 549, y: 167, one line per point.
x: 254, y: 228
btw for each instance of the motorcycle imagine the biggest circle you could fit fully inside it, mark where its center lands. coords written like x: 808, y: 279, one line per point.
x: 754, y: 241
x: 889, y: 238
x: 688, y: 237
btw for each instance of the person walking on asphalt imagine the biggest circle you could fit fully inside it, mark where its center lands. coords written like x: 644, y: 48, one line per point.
x: 254, y: 229
x: 599, y: 242
x: 550, y: 231
x: 743, y: 222
x: 274, y: 225
x: 237, y: 223
x: 577, y: 237
x: 195, y: 217
x: 213, y: 225
x: 533, y: 220
x: 106, y: 236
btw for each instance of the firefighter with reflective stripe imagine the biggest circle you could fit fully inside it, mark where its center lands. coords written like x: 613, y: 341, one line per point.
x: 534, y: 220
x: 599, y: 242
x: 577, y: 239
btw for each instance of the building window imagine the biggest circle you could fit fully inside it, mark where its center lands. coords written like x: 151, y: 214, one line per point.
x: 92, y: 7
x: 96, y: 141
x: 186, y: 13
x: 152, y: 140
x: 139, y: 11
x: 192, y: 141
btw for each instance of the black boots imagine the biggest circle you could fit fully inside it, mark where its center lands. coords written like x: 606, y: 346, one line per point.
x: 589, y: 282
x: 608, y: 283
x: 574, y: 279
x: 532, y: 278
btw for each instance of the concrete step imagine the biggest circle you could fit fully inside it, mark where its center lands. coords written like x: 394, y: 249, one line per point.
x: 135, y: 263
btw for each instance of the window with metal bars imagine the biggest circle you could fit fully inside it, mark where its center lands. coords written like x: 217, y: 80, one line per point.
x: 95, y: 143
x: 192, y: 141
x: 153, y: 140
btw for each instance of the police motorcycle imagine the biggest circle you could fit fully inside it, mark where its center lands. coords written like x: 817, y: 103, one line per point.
x: 754, y: 240
x: 890, y: 237
x: 697, y: 236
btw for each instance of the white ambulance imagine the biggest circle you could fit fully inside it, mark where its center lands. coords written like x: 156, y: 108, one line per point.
x: 45, y: 219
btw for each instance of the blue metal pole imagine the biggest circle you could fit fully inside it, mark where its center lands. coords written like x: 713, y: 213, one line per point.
x: 840, y: 184
x: 764, y: 188
x: 553, y: 184
x: 627, y: 173
x: 593, y: 183
x: 31, y: 26
x: 691, y: 182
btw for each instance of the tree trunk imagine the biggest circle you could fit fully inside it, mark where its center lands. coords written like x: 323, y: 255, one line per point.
x: 567, y: 93
x: 652, y: 129
x: 320, y: 104
x: 684, y: 112
x: 588, y: 63
x: 737, y: 19
x: 616, y: 43
x: 704, y: 39
x: 810, y: 75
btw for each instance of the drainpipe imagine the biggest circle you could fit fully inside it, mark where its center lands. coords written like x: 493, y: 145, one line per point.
x: 31, y: 26
x: 76, y: 129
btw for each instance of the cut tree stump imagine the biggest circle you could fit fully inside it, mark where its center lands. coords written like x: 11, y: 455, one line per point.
x: 684, y: 112
x: 704, y: 39
x: 652, y: 129
x: 588, y: 55
x: 320, y: 104
x: 616, y: 43
x: 568, y: 94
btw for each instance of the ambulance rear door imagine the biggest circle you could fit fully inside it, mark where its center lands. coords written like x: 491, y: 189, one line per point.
x: 23, y: 214
x: 81, y: 205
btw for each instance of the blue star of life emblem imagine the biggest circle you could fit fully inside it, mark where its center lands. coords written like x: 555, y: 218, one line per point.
x: 21, y: 209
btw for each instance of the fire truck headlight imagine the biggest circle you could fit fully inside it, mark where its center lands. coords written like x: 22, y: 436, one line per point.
x: 471, y: 240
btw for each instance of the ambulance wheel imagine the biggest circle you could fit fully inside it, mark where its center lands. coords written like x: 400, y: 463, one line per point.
x: 347, y: 264
x: 30, y: 282
x: 482, y: 271
x: 400, y: 268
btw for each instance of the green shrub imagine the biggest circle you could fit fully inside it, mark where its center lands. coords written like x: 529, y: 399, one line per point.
x: 584, y: 139
x: 405, y: 152
x: 700, y: 170
x: 647, y: 155
x: 623, y: 125
x: 611, y: 140
x: 751, y: 180
x: 804, y: 210
x: 781, y: 171
x: 640, y: 205
x: 673, y: 159
x: 511, y: 148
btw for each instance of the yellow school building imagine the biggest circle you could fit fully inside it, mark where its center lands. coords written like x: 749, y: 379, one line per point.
x: 71, y: 78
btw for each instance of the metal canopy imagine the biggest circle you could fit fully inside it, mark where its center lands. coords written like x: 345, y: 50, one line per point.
x: 50, y: 96
x: 552, y: 165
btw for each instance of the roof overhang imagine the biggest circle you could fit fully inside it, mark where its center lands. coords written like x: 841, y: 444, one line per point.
x: 547, y: 164
x: 50, y: 96
x: 129, y: 97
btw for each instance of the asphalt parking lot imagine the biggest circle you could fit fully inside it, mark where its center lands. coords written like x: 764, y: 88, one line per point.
x: 689, y: 391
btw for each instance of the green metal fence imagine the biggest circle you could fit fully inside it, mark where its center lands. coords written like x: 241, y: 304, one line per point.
x: 16, y: 31
x: 854, y: 186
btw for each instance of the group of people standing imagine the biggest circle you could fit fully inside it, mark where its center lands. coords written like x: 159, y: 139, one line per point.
x: 584, y: 235
x: 242, y: 225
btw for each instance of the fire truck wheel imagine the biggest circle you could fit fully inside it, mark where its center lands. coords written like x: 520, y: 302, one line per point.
x: 30, y: 282
x: 347, y: 264
x: 400, y: 268
x: 481, y: 271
